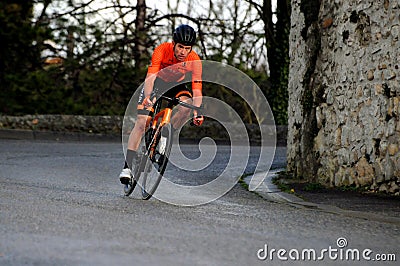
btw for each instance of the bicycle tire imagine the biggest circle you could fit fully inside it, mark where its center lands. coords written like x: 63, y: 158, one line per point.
x: 128, y: 189
x: 137, y: 171
x: 156, y: 161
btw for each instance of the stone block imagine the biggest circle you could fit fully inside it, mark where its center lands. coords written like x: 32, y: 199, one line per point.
x: 391, y: 127
x: 389, y: 169
x: 327, y: 23
x: 341, y: 177
x: 393, y: 187
x: 370, y: 75
x: 378, y: 89
x: 379, y: 176
x: 365, y: 172
x: 393, y: 149
x: 343, y: 156
x: 383, y: 188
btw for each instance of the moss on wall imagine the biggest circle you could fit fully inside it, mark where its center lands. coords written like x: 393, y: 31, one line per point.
x: 310, y: 9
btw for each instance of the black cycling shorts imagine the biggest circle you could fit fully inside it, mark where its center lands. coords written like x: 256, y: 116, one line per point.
x: 169, y: 89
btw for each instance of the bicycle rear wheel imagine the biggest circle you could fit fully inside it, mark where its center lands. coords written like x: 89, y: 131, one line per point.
x: 158, y: 152
x: 137, y: 171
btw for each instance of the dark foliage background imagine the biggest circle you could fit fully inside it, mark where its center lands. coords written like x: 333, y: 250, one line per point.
x: 80, y: 57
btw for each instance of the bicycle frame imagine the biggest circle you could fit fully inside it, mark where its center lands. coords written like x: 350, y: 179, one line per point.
x: 165, y: 116
x: 166, y: 113
x: 152, y: 137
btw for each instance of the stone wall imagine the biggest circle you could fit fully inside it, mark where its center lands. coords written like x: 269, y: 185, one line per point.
x: 112, y: 126
x: 344, y: 92
x: 64, y: 123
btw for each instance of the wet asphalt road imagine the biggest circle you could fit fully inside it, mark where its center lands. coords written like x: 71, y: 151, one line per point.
x: 61, y: 204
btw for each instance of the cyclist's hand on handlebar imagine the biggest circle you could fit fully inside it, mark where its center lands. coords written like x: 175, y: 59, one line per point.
x: 197, y: 119
x: 147, y: 102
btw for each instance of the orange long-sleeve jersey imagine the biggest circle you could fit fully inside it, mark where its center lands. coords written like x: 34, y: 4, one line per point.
x: 169, y: 69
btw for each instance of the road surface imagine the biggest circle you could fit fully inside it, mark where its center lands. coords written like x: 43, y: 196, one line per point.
x: 61, y: 204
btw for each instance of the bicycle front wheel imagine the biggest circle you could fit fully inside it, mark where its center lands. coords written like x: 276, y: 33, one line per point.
x: 159, y: 150
x: 128, y: 189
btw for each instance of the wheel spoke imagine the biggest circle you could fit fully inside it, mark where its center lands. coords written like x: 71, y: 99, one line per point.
x: 158, y: 160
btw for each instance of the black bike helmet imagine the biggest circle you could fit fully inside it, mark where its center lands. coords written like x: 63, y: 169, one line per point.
x: 185, y: 35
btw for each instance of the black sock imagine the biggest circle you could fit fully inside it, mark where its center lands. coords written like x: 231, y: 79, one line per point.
x: 131, y: 156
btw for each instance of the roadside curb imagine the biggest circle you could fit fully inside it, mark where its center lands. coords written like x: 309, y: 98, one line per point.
x: 271, y: 192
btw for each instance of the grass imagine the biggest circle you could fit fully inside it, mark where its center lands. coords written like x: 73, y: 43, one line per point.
x: 244, y: 184
x: 313, y: 187
x: 241, y: 181
x: 281, y: 182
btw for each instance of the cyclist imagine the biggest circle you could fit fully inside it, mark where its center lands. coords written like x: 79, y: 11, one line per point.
x: 170, y: 63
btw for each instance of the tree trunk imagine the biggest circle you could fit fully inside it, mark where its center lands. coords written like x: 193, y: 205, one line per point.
x: 277, y: 36
x: 140, y: 35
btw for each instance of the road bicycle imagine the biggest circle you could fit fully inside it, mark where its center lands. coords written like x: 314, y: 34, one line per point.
x: 157, y: 142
